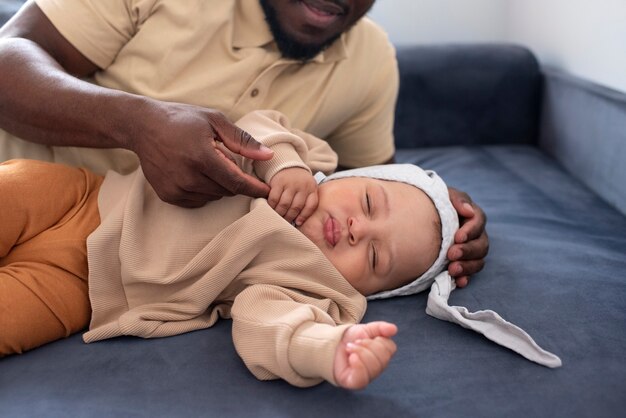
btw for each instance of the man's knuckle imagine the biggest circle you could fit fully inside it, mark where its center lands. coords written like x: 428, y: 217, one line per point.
x: 244, y: 138
x: 238, y: 185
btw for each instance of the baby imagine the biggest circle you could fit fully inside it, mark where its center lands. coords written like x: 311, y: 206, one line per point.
x: 296, y: 295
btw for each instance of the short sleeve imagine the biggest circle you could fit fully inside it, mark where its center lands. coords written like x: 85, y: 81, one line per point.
x: 98, y: 29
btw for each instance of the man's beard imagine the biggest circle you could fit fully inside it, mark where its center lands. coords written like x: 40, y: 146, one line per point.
x: 288, y: 46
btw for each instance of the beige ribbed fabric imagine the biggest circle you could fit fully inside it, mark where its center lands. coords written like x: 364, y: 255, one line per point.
x: 158, y: 270
x: 220, y: 54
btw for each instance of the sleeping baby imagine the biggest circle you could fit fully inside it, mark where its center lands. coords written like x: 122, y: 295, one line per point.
x: 292, y: 271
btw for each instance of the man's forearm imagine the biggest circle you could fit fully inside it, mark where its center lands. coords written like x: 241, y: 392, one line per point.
x: 42, y: 103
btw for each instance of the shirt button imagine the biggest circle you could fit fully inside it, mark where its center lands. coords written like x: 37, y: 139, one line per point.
x: 254, y: 92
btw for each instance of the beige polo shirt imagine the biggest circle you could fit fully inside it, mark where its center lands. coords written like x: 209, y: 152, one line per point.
x: 220, y: 54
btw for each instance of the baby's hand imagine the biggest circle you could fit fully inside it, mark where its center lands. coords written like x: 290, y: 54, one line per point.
x: 293, y: 194
x: 363, y: 353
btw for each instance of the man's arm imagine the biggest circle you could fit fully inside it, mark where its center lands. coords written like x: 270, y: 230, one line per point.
x: 45, y: 101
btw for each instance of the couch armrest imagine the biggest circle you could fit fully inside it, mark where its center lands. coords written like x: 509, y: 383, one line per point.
x: 467, y: 94
x: 583, y: 126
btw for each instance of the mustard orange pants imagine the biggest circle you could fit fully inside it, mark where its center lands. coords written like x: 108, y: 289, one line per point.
x: 46, y: 213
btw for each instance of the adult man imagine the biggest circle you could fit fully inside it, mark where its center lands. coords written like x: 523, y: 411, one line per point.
x: 167, y: 77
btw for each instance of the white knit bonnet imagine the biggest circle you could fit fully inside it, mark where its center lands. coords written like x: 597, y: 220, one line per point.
x: 430, y: 183
x: 486, y: 322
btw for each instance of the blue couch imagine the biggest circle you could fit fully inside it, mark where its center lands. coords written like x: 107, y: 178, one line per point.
x: 542, y: 153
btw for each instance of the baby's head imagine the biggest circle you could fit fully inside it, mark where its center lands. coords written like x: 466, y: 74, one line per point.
x: 384, y: 226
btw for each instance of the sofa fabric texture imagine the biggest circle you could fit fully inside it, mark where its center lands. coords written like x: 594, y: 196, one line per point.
x: 542, y: 153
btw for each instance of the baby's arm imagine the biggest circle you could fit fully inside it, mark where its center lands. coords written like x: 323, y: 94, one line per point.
x: 293, y: 194
x: 297, y: 155
x: 279, y: 332
x: 363, y: 354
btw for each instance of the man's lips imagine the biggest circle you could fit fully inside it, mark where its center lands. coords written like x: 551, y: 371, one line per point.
x: 326, y: 7
x: 332, y: 231
x: 321, y: 13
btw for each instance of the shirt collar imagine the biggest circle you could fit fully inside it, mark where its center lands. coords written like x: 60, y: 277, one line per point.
x: 250, y: 30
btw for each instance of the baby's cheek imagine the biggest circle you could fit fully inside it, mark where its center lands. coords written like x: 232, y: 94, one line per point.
x: 353, y: 267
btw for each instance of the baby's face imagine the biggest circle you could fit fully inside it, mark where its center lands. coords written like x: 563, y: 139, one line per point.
x: 378, y: 234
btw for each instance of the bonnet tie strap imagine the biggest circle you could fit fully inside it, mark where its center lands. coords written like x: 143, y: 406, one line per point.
x: 486, y: 322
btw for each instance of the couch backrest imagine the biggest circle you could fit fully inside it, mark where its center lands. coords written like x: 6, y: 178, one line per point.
x: 467, y: 94
x: 583, y: 126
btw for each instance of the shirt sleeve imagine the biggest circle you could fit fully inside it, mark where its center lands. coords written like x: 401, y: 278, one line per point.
x: 98, y: 29
x: 278, y: 335
x: 292, y: 147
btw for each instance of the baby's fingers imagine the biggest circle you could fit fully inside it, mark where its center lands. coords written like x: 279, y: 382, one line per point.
x: 309, y: 207
x: 285, y: 203
x: 357, y: 376
x: 274, y: 196
x: 296, y: 207
x: 374, y: 355
x: 380, y: 328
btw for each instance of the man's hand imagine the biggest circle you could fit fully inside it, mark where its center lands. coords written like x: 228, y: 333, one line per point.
x: 179, y: 151
x: 293, y: 194
x: 471, y: 244
x: 363, y: 353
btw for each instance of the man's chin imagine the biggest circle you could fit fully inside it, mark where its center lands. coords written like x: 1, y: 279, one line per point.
x: 291, y: 46
x: 300, y: 51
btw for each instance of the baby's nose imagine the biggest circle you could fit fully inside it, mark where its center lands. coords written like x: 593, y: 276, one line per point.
x: 357, y: 230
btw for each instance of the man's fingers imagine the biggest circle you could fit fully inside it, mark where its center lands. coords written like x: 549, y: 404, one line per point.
x: 468, y: 259
x: 473, y: 219
x: 191, y: 195
x: 234, y: 180
x: 461, y: 281
x: 239, y: 141
x: 465, y: 268
x: 471, y: 250
x: 459, y: 200
x: 472, y: 228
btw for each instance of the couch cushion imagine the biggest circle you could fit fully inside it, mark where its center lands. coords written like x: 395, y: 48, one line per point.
x: 556, y: 268
x: 467, y: 94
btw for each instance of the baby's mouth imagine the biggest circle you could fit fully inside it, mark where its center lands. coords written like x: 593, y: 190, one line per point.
x: 332, y: 230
